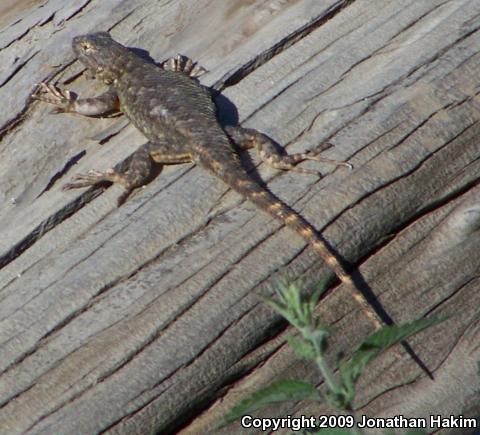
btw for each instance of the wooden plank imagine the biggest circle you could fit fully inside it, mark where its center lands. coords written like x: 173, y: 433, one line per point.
x: 131, y: 320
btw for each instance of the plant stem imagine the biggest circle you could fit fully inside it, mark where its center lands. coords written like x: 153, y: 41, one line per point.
x: 327, y: 373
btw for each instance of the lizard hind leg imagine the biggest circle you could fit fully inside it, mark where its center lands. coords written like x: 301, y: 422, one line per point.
x: 246, y: 138
x: 185, y: 65
x: 135, y: 175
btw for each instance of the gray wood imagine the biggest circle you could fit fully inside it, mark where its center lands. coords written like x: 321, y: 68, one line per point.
x: 136, y: 319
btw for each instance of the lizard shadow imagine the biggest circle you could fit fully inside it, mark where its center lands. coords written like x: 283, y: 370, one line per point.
x: 227, y: 115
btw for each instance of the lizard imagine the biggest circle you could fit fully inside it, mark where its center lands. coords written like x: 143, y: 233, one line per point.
x: 178, y: 117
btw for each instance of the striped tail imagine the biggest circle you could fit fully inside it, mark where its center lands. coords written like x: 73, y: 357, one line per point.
x: 268, y: 202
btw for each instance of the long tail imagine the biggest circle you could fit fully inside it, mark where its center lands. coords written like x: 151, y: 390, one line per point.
x: 268, y: 202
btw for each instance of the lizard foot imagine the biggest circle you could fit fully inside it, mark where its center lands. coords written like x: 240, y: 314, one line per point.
x: 63, y: 99
x: 185, y: 65
x: 90, y: 178
x: 93, y: 177
x: 312, y: 155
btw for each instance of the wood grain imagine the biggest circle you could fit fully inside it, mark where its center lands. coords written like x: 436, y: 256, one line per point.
x: 146, y: 318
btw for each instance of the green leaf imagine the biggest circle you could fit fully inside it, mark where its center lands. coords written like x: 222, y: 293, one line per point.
x: 302, y: 348
x: 277, y: 306
x: 280, y: 391
x: 380, y: 341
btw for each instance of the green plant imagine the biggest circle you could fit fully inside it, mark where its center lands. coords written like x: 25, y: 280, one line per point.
x: 312, y: 344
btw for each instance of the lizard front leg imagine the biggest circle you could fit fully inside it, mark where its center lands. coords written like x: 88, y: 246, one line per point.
x: 68, y: 101
x: 246, y: 138
x: 137, y: 171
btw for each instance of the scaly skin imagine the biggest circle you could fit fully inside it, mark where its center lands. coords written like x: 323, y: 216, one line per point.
x: 176, y: 114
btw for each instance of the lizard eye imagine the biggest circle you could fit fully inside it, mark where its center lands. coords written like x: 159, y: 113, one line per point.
x: 86, y: 47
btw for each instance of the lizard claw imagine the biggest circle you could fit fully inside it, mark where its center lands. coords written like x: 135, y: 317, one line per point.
x: 90, y: 175
x: 94, y: 177
x: 184, y: 64
x: 312, y: 155
x: 91, y: 178
x: 63, y: 99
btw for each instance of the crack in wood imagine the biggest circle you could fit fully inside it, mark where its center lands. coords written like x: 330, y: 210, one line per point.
x: 66, y: 167
x: 280, y: 46
x: 18, y: 68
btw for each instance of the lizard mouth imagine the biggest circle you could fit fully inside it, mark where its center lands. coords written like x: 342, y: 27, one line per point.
x: 93, y: 73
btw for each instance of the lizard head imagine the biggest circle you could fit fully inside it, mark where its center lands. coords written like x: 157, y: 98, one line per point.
x: 100, y: 54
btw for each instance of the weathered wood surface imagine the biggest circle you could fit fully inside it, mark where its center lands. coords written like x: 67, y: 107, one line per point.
x: 146, y: 318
